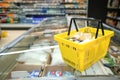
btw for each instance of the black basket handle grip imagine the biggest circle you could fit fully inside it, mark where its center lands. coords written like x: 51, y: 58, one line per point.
x: 87, y: 19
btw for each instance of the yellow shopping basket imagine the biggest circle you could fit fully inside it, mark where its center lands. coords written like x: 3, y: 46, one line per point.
x: 82, y: 55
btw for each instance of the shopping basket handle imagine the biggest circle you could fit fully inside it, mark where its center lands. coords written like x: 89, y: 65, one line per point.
x: 69, y: 30
x: 99, y: 25
x: 88, y: 19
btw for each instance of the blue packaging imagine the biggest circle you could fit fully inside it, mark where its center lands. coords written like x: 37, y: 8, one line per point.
x: 34, y: 73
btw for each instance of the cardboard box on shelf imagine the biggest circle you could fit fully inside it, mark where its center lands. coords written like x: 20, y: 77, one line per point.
x: 24, y: 71
x: 57, y: 69
x: 48, y: 60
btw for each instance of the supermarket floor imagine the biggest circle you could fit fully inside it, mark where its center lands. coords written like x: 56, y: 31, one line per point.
x: 12, y: 34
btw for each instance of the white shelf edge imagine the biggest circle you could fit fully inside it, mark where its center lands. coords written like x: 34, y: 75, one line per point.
x: 17, y: 25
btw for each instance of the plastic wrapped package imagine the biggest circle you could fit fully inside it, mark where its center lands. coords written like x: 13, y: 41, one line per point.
x: 59, y: 74
x: 58, y: 71
x: 118, y: 25
x: 34, y: 57
x: 57, y: 58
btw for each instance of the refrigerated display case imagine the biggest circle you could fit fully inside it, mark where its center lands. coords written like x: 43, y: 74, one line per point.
x: 39, y: 37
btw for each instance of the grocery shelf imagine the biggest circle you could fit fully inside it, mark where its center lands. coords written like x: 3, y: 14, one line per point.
x: 52, y: 7
x: 45, y: 14
x: 113, y: 18
x: 69, y: 2
x: 42, y: 8
x: 4, y: 2
x: 16, y: 26
x: 2, y: 14
x: 77, y: 13
x: 9, y: 12
x: 20, y: 2
x: 113, y: 8
x: 30, y: 2
x: 76, y: 8
x: 112, y: 14
x: 10, y: 7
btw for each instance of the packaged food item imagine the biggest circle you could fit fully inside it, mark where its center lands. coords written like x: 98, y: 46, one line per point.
x: 81, y: 37
x: 57, y: 61
x: 34, y: 57
x: 34, y: 73
x: 118, y: 25
x: 67, y: 74
x: 59, y: 74
x: 25, y: 74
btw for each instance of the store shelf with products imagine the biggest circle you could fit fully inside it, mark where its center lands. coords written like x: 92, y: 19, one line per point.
x: 113, y: 13
x: 71, y: 13
x: 71, y: 8
x: 9, y: 10
x: 78, y: 7
x: 76, y: 11
x: 9, y: 7
x: 3, y: 10
x: 109, y: 16
x: 109, y: 13
x: 113, y: 22
x: 113, y: 9
x: 34, y: 11
x: 37, y: 1
x: 30, y: 12
x: 38, y: 37
x: 114, y: 18
x: 52, y: 14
